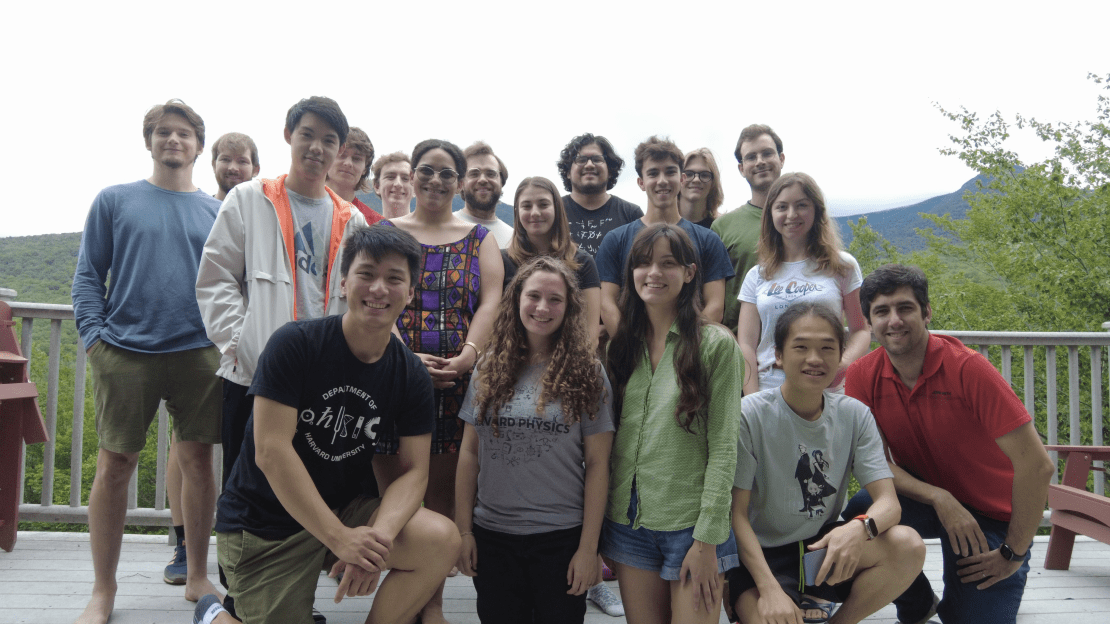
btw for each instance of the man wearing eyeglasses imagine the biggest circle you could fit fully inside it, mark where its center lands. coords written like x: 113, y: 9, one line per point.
x: 759, y: 157
x: 483, y: 179
x: 590, y: 167
x: 286, y: 269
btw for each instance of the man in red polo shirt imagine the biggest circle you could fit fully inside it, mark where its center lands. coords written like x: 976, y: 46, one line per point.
x: 968, y: 464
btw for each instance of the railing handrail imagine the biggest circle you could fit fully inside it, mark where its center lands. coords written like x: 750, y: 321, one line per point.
x: 75, y: 512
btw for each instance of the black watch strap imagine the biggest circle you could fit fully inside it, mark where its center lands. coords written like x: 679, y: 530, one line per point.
x: 1008, y: 553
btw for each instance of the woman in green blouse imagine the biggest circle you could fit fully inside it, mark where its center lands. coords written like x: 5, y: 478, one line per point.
x: 676, y: 380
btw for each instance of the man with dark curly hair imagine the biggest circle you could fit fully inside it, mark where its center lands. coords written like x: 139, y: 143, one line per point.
x: 590, y: 167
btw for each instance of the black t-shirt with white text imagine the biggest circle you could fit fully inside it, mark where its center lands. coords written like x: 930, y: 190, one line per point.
x: 588, y: 227
x: 343, y: 406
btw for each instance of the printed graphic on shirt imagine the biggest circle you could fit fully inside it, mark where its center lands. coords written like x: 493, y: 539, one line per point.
x: 325, y: 432
x: 524, y: 438
x: 789, y: 291
x: 813, y: 483
x: 304, y: 245
x: 589, y: 232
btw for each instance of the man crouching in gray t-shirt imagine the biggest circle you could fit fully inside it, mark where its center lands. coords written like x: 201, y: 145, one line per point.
x: 798, y: 446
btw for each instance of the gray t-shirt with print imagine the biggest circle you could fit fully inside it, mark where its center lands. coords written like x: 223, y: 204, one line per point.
x: 312, y: 235
x: 532, y: 478
x: 798, y: 470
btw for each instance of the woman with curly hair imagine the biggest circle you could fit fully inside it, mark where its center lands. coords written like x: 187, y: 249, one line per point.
x: 676, y: 380
x: 801, y: 258
x: 534, y: 463
x: 540, y: 228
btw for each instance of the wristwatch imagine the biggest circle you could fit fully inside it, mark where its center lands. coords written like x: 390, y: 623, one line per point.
x: 869, y: 525
x: 1008, y: 553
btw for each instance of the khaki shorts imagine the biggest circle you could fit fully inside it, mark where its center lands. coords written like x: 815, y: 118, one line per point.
x: 127, y: 386
x: 275, y: 580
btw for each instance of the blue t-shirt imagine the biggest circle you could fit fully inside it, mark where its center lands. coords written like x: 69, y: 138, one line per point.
x: 617, y: 246
x: 135, y: 284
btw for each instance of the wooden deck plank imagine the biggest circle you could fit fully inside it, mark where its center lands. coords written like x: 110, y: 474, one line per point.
x: 47, y: 580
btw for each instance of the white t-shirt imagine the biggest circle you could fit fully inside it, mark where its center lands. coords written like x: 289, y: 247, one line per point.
x: 794, y: 281
x: 502, y: 232
x: 797, y: 470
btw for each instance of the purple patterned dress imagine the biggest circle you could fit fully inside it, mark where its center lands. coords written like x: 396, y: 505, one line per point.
x: 437, y: 322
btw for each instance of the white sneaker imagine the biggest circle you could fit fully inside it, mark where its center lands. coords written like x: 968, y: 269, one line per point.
x: 606, y: 600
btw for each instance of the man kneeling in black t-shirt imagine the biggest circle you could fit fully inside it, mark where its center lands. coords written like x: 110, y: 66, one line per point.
x: 295, y: 501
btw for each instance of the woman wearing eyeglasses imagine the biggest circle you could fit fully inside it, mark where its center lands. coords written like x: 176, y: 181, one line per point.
x: 702, y: 194
x: 449, y: 319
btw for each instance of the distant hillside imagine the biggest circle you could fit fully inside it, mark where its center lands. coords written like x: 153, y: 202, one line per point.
x: 504, y: 211
x: 39, y: 268
x: 898, y: 225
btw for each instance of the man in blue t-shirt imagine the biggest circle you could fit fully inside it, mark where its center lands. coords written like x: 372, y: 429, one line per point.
x: 301, y: 496
x: 659, y: 174
x: 137, y: 315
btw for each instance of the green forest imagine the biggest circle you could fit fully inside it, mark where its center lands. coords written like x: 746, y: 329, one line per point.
x: 1030, y: 253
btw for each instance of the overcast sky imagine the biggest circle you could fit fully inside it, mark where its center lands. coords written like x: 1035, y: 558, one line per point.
x: 850, y: 87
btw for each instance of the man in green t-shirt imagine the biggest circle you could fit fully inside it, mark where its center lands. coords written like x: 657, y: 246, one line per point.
x: 760, y: 158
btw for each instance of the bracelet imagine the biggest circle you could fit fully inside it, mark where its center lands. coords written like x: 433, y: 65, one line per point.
x: 465, y: 534
x: 477, y: 351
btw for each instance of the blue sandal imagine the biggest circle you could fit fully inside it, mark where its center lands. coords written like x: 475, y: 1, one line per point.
x: 806, y: 604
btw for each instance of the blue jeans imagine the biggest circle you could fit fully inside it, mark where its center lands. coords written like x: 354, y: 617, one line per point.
x: 960, y: 602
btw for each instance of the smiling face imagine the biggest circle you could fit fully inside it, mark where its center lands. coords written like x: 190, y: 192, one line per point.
x: 543, y: 304
x: 589, y: 173
x: 394, y: 186
x: 659, y: 280
x: 232, y: 168
x: 481, y: 188
x: 434, y: 193
x: 315, y: 146
x: 810, y: 355
x: 661, y: 180
x: 174, y: 142
x: 377, y: 291
x: 536, y: 211
x: 346, y: 171
x: 900, y: 324
x: 760, y: 162
x: 792, y: 214
x: 697, y: 188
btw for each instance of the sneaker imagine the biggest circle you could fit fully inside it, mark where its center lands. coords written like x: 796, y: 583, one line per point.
x: 178, y: 569
x: 208, y: 607
x: 605, y: 600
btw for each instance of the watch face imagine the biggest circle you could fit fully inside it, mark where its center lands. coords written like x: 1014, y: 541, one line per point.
x: 872, y: 528
x: 1007, y: 552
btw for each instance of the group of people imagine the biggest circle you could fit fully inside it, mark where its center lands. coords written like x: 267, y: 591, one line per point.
x: 667, y: 393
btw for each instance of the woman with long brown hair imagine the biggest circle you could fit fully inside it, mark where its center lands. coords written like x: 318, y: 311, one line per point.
x: 676, y: 378
x: 801, y: 258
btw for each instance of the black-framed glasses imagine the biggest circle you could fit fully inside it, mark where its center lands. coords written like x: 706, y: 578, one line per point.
x: 596, y: 159
x: 704, y: 176
x: 447, y: 175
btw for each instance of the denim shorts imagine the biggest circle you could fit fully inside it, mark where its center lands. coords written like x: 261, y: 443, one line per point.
x: 661, y: 551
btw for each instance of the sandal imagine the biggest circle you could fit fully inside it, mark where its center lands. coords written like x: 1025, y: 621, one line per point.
x: 806, y: 604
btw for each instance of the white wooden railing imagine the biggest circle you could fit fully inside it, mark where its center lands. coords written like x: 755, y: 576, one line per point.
x: 1095, y: 344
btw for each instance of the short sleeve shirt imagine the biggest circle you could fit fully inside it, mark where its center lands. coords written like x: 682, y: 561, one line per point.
x: 589, y: 227
x: 532, y: 476
x: 343, y: 405
x: 617, y: 246
x: 798, y: 470
x: 943, y: 431
x: 793, y: 282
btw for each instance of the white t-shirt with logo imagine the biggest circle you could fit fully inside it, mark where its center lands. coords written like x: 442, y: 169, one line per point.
x: 794, y: 281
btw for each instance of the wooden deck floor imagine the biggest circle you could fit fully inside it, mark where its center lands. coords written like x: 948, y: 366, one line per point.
x: 47, y: 580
